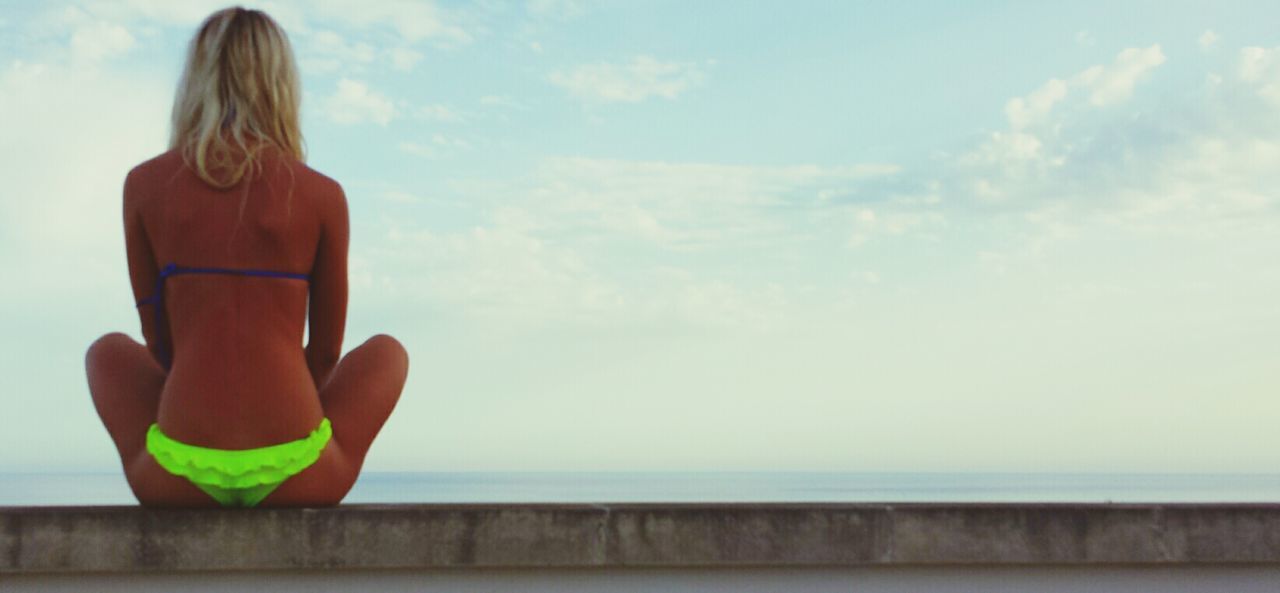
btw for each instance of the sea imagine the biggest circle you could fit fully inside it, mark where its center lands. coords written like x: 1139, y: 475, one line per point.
x: 75, y: 489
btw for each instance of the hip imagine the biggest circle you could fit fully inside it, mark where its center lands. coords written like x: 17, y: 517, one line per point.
x: 239, y: 408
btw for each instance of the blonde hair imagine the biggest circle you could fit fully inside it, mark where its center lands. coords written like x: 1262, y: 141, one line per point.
x: 239, y: 94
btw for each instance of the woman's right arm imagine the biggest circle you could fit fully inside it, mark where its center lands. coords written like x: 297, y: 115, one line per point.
x: 328, y: 306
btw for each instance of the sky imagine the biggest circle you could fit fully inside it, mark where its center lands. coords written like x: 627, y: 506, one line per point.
x: 716, y: 236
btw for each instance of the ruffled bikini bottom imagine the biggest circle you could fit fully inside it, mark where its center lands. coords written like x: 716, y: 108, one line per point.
x: 238, y: 477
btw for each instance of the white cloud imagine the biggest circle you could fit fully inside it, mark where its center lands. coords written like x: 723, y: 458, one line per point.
x: 1259, y: 68
x: 100, y: 40
x: 1113, y: 84
x: 403, y: 58
x: 71, y: 220
x: 891, y: 220
x: 412, y: 20
x: 635, y: 81
x: 438, y: 112
x: 1023, y: 112
x: 439, y: 146
x: 544, y: 256
x: 401, y: 197
x: 1256, y: 63
x: 330, y: 43
x: 680, y: 206
x: 556, y: 9
x: 1085, y: 39
x: 1212, y: 185
x: 419, y: 149
x: 496, y: 272
x: 502, y: 101
x: 505, y: 274
x: 188, y: 12
x: 311, y: 25
x: 1154, y: 171
x: 93, y: 39
x: 327, y: 51
x: 1208, y: 39
x: 442, y: 140
x: 1006, y: 164
x: 1005, y: 148
x: 353, y: 102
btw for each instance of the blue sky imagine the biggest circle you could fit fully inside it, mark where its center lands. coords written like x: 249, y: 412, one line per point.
x: 999, y: 236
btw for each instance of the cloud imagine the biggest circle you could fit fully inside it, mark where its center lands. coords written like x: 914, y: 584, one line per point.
x: 1023, y: 112
x: 1003, y: 165
x: 401, y: 197
x: 631, y: 82
x: 1200, y: 169
x: 353, y: 103
x: 375, y: 31
x: 505, y: 275
x: 412, y: 20
x: 62, y: 188
x: 327, y: 51
x: 438, y: 112
x: 99, y: 40
x: 683, y: 206
x: 544, y: 253
x: 403, y: 58
x: 1085, y: 39
x: 495, y: 272
x: 1208, y: 39
x: 1113, y: 84
x: 1259, y: 69
x: 889, y: 220
x: 74, y: 34
x: 1257, y: 63
x: 556, y: 9
x: 502, y: 101
x: 1212, y: 185
x: 439, y: 146
x: 189, y: 12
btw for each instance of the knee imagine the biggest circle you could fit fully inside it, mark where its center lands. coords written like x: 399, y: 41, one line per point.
x: 389, y: 348
x: 104, y: 345
x: 111, y: 338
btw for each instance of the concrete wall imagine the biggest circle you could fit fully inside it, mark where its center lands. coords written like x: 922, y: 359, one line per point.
x: 918, y: 579
x: 645, y: 547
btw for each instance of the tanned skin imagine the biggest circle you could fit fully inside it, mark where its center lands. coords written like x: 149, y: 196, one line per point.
x: 240, y: 377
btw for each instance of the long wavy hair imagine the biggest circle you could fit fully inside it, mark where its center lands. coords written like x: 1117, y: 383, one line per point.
x: 239, y: 95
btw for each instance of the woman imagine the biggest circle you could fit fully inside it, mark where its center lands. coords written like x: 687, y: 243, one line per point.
x: 233, y: 244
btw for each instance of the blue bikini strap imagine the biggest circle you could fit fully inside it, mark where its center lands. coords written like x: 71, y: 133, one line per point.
x: 157, y: 297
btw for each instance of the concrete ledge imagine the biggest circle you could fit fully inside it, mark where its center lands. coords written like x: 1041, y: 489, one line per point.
x: 111, y: 539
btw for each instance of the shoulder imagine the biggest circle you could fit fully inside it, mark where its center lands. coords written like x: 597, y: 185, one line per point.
x: 328, y: 192
x: 141, y: 180
x: 165, y: 161
x: 324, y: 183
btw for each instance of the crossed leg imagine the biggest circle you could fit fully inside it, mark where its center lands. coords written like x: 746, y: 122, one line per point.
x: 359, y: 396
x: 125, y: 382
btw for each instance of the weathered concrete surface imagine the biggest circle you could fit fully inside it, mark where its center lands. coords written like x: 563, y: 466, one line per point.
x: 108, y: 539
x: 962, y: 578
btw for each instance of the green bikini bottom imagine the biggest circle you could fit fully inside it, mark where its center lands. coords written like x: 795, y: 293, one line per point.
x: 238, y: 477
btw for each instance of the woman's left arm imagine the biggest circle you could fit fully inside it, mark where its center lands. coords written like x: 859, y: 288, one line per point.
x: 143, y: 270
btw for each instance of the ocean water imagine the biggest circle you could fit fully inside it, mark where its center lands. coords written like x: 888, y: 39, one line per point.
x: 24, y: 489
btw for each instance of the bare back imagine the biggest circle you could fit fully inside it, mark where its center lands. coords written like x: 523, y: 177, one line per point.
x: 240, y: 377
